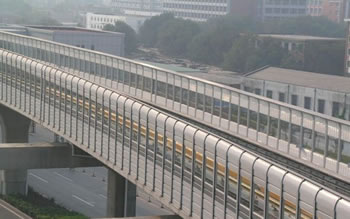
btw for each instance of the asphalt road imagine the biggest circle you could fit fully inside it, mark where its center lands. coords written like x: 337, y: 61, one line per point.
x: 7, y: 211
x: 82, y: 189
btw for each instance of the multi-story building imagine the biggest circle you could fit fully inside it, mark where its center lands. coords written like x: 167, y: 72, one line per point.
x: 314, y: 7
x: 96, y: 21
x: 139, y: 5
x: 332, y: 9
x: 327, y: 94
x: 279, y: 9
x: 197, y: 10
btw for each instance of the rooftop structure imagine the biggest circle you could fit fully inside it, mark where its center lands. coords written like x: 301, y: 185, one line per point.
x: 303, y: 78
x: 299, y: 37
x: 228, y: 78
x: 327, y: 94
x: 103, y: 41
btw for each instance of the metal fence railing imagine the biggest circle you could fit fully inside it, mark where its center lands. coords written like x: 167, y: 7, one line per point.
x: 307, y: 136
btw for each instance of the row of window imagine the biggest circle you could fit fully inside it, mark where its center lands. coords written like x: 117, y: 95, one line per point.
x: 97, y: 26
x: 321, y: 103
x: 195, y: 15
x: 285, y: 2
x: 285, y: 10
x: 105, y: 19
x: 209, y: 8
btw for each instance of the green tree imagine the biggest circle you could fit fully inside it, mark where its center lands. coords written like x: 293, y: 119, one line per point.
x: 149, y: 31
x: 247, y: 54
x: 130, y: 35
x: 242, y: 49
x: 325, y: 57
x: 175, y: 36
x: 216, y: 38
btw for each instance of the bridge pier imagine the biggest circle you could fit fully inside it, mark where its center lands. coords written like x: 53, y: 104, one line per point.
x: 121, y: 196
x: 14, y: 129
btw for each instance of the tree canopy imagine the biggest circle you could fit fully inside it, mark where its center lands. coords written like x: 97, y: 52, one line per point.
x: 130, y: 35
x: 229, y: 41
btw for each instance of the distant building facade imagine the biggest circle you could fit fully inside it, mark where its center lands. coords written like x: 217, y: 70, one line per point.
x: 197, y: 10
x: 138, y: 5
x: 275, y: 10
x: 334, y: 10
x: 326, y: 94
x: 96, y: 21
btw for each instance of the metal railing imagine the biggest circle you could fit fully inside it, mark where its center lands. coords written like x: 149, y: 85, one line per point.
x: 194, y: 173
x: 305, y: 135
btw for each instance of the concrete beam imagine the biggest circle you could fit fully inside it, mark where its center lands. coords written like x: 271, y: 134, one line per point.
x: 41, y: 156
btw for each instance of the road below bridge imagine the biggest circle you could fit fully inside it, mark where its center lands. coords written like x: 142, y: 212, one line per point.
x: 81, y: 189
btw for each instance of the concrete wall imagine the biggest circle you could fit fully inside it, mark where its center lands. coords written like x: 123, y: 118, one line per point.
x: 104, y: 42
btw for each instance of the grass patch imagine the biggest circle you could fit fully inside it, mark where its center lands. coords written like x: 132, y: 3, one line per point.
x: 39, y: 207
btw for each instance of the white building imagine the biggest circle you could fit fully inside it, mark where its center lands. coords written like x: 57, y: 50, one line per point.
x: 197, y: 10
x: 98, y: 21
x: 139, y: 5
x: 95, y: 21
x: 327, y: 94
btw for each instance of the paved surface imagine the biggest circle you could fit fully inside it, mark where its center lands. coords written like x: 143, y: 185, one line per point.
x: 7, y: 211
x: 82, y: 189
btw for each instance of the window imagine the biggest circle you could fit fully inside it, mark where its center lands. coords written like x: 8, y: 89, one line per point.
x: 307, y: 102
x: 92, y: 47
x: 320, y: 106
x: 269, y: 93
x: 257, y: 91
x: 281, y: 97
x: 336, y: 109
x: 294, y: 100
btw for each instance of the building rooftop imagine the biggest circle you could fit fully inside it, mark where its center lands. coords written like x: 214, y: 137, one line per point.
x: 303, y: 78
x: 222, y: 77
x: 175, y: 68
x: 299, y: 37
x: 67, y: 29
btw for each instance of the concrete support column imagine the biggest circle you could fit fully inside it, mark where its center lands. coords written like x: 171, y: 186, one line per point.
x: 121, y: 196
x: 14, y: 129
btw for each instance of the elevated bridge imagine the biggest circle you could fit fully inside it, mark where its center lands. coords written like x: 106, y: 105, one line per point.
x: 114, y: 109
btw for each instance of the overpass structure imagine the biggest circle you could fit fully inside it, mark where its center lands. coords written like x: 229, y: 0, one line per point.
x: 167, y: 133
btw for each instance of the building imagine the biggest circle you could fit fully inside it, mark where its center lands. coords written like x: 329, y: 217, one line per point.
x: 197, y: 10
x: 137, y: 5
x: 327, y: 94
x: 103, y: 41
x: 297, y: 42
x: 333, y: 9
x: 96, y: 21
x: 272, y: 10
x: 314, y: 7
